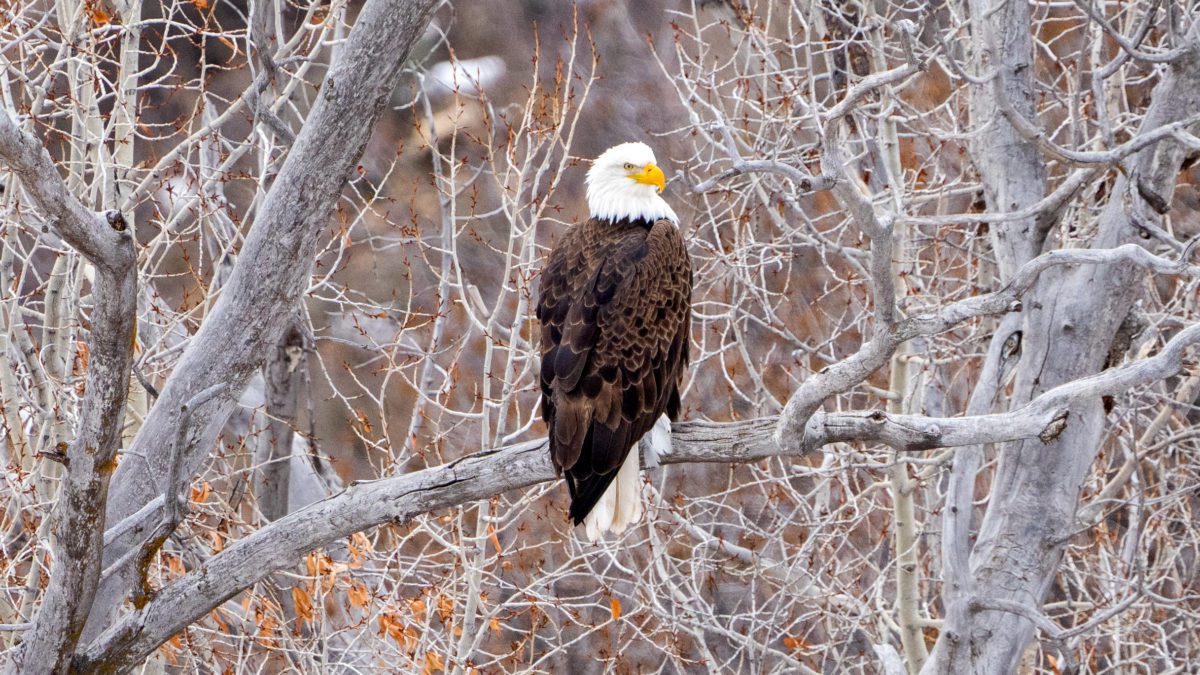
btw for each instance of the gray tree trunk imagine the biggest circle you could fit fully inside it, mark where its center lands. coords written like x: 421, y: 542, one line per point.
x: 1066, y: 331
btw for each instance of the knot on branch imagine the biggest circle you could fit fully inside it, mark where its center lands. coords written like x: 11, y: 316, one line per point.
x: 1055, y: 428
x: 908, y: 32
x: 819, y: 183
x: 1011, y: 346
x: 1188, y: 251
x: 58, y: 454
x: 116, y: 220
x: 1152, y: 198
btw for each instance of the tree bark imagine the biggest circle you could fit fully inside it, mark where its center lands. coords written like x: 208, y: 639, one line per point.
x: 1067, y: 330
x: 488, y: 473
x: 273, y: 269
x: 283, y: 375
x: 78, y: 520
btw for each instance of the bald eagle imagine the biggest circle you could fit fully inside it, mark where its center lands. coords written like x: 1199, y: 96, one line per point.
x: 615, y: 313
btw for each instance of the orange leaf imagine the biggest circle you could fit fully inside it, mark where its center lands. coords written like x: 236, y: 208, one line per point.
x: 433, y: 662
x: 172, y: 647
x: 445, y: 607
x: 358, y: 594
x: 266, y: 628
x: 616, y: 609
x: 303, y: 602
x: 390, y: 625
x: 795, y: 643
x: 99, y: 16
x: 200, y: 494
x: 360, y: 548
x: 215, y: 615
x: 495, y: 539
x: 218, y: 543
x: 494, y: 624
x: 364, y: 421
x: 417, y: 606
x: 319, y: 564
x: 200, y: 4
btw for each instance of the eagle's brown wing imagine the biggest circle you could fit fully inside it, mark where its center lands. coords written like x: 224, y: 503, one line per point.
x: 615, y: 309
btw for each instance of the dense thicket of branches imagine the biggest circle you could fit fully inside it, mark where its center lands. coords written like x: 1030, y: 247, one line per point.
x: 268, y: 397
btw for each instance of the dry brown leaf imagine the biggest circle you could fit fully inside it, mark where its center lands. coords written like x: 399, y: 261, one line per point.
x: 364, y: 421
x: 433, y: 663
x: 201, y: 492
x: 175, y: 565
x: 390, y: 625
x: 795, y: 644
x: 360, y: 548
x: 495, y: 539
x: 266, y: 629
x: 417, y: 607
x: 98, y: 15
x: 445, y: 607
x: 358, y: 595
x: 304, y: 604
x: 215, y: 615
x: 172, y: 647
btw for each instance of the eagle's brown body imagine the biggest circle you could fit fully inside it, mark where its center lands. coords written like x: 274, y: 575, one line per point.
x: 615, y: 311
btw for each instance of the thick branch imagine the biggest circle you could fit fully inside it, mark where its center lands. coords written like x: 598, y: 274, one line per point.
x: 1067, y: 334
x: 101, y: 238
x: 282, y: 376
x: 492, y: 472
x: 275, y: 262
x: 79, y: 517
x: 793, y: 432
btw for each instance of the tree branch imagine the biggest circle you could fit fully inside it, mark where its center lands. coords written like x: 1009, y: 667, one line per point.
x: 845, y: 374
x: 78, y: 525
x: 101, y: 238
x: 489, y: 473
x: 274, y: 264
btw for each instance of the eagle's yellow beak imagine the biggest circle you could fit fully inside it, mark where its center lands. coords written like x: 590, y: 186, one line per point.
x: 651, y: 175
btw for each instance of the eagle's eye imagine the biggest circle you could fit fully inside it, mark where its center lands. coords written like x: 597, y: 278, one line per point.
x: 628, y: 166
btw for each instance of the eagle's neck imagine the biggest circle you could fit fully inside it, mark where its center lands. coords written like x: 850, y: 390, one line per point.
x: 622, y: 223
x: 618, y: 201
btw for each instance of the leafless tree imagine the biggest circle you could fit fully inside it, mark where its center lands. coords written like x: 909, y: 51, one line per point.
x: 269, y: 398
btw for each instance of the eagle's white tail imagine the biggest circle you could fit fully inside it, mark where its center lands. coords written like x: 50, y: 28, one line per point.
x: 621, y: 504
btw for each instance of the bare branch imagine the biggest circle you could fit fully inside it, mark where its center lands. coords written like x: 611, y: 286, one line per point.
x: 260, y: 296
x: 91, y: 457
x: 484, y: 474
x: 102, y: 239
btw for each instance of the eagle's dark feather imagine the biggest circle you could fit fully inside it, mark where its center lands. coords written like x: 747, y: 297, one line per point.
x: 615, y: 310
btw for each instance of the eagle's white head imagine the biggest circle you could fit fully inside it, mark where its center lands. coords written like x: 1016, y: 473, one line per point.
x: 624, y: 183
